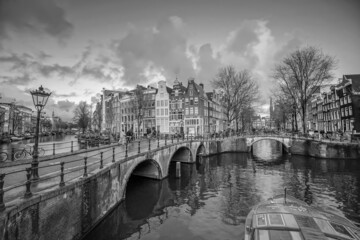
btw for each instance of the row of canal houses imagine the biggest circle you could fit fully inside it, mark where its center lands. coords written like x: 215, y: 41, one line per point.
x: 181, y: 109
x: 334, y: 108
x: 14, y: 118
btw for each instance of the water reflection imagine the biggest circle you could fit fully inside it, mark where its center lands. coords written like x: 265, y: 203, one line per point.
x: 211, y: 200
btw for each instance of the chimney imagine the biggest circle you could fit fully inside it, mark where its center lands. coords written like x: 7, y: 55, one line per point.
x: 202, y: 86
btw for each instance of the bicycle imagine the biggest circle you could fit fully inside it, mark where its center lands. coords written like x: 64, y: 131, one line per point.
x: 24, y: 153
x: 3, y: 156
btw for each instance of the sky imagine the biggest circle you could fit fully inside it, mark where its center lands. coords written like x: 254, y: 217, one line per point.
x: 74, y: 48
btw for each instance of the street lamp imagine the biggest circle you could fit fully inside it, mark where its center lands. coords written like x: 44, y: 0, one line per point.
x: 40, y: 98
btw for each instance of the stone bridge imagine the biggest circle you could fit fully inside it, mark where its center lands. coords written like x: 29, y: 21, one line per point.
x: 286, y: 142
x: 81, y: 201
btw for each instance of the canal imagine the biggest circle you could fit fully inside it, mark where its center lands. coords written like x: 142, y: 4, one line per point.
x: 211, y: 200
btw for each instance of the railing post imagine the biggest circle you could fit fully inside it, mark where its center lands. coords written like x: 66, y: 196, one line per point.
x: 183, y: 137
x: 158, y: 141
x: 86, y: 143
x: 2, y: 205
x: 139, y: 146
x: 12, y: 154
x: 72, y: 146
x: 177, y: 138
x: 165, y: 140
x: 53, y: 148
x: 28, y: 183
x: 149, y: 144
x: 101, y: 160
x: 113, y: 154
x: 187, y: 137
x: 85, y: 167
x: 126, y: 150
x: 62, y: 183
x: 172, y: 138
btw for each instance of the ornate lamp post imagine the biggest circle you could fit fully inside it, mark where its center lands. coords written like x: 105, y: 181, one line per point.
x: 40, y: 98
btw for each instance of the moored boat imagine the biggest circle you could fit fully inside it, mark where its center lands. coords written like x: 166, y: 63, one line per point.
x: 285, y: 217
x: 16, y: 138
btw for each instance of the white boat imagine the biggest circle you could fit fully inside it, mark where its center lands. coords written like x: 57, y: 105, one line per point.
x: 16, y: 138
x: 285, y: 217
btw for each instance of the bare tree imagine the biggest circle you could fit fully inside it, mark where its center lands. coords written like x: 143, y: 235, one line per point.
x: 82, y: 115
x: 138, y: 105
x: 239, y: 92
x: 300, y: 73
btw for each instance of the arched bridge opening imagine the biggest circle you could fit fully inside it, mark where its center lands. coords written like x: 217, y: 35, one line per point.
x: 149, y: 169
x: 284, y: 147
x: 183, y: 155
x: 179, y: 163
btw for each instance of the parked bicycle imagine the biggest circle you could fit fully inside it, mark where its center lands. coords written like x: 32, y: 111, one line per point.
x: 3, y: 156
x: 22, y: 154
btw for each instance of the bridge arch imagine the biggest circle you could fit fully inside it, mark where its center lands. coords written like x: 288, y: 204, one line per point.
x: 285, y: 146
x: 148, y: 168
x: 182, y: 154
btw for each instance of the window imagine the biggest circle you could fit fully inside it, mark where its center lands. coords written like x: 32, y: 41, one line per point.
x: 187, y: 111
x: 349, y: 99
x: 158, y: 103
x: 157, y: 112
x: 161, y: 95
x: 350, y: 111
x: 162, y: 112
x: 191, y: 101
x: 186, y: 101
x: 162, y: 103
x: 166, y: 112
x: 176, y: 93
x: 196, y: 110
x: 166, y: 103
x: 341, y: 101
x: 191, y: 111
x: 180, y: 103
x: 196, y: 100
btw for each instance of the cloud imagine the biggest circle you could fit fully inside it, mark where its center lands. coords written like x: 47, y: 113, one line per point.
x: 64, y: 95
x: 34, y: 17
x: 22, y: 69
x: 161, y: 48
x: 207, y: 65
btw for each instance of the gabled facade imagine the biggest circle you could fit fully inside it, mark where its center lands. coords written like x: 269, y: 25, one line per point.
x: 196, y: 109
x: 176, y: 119
x: 348, y: 92
x: 162, y: 107
x: 149, y: 120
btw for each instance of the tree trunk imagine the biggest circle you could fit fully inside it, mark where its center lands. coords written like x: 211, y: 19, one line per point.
x: 304, y: 119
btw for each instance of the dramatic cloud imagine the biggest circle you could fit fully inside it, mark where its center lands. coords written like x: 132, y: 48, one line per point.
x: 161, y: 49
x: 37, y: 16
x: 207, y: 65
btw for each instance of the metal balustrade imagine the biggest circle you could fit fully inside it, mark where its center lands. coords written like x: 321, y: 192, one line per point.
x: 61, y: 169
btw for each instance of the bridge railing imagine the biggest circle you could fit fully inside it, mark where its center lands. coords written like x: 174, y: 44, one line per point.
x: 25, y: 179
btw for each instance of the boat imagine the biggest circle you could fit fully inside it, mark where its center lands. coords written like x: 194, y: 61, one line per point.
x: 16, y: 138
x: 285, y: 217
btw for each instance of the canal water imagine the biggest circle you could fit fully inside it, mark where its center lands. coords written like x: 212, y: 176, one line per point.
x: 211, y: 200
